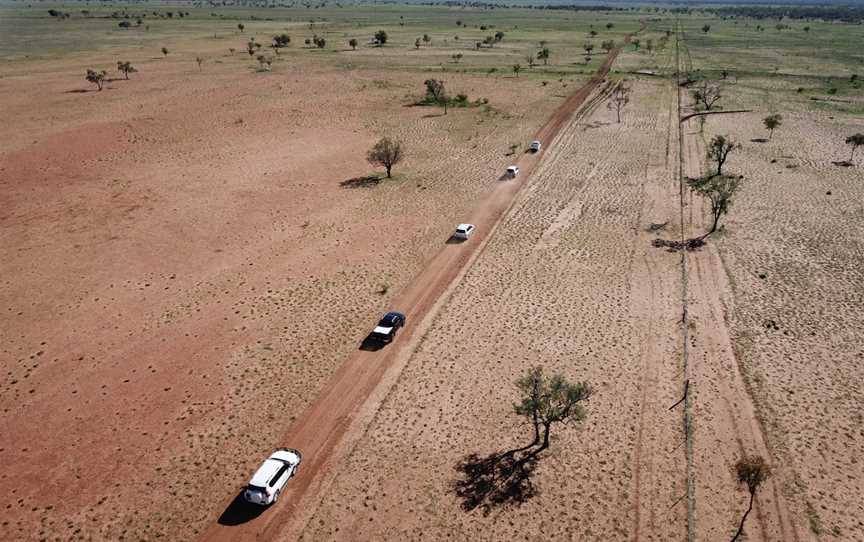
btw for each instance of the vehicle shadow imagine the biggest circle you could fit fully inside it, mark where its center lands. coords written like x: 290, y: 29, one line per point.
x: 240, y: 511
x: 453, y: 240
x: 371, y: 345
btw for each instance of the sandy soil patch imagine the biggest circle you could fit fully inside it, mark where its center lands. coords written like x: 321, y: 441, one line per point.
x: 167, y: 243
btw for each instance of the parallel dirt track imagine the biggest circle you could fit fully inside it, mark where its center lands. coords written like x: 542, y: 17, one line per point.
x: 726, y: 424
x: 321, y: 429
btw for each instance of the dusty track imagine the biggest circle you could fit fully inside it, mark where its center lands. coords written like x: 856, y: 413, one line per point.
x: 726, y: 425
x: 321, y: 430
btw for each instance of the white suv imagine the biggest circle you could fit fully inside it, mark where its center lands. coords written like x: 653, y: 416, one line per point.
x: 464, y: 231
x: 512, y: 171
x: 535, y: 146
x: 266, y: 484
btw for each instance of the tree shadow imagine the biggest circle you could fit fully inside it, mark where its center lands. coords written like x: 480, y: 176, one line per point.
x: 498, y: 480
x: 843, y: 163
x: 758, y: 140
x: 240, y: 511
x: 78, y: 91
x: 361, y: 182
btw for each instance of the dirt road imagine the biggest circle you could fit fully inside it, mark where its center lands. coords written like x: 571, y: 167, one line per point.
x: 320, y: 432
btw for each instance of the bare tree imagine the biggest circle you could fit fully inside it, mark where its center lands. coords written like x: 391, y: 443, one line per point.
x: 125, y: 68
x: 707, y: 94
x: 772, y: 122
x: 856, y: 140
x: 619, y: 99
x: 165, y: 51
x: 516, y: 69
x: 719, y: 190
x: 549, y: 400
x: 543, y: 54
x: 199, y: 60
x: 719, y: 149
x: 97, y: 78
x: 386, y: 153
x: 752, y: 472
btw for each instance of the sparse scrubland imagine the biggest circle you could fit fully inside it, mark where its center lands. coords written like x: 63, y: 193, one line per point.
x: 195, y: 242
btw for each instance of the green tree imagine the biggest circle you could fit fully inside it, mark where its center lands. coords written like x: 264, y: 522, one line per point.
x: 436, y: 93
x: 426, y: 39
x: 608, y: 45
x: 516, y: 69
x: 719, y: 149
x: 125, y: 68
x: 417, y: 43
x: 636, y: 43
x: 856, y: 140
x: 165, y: 51
x: 751, y: 472
x: 386, y: 153
x: 380, y: 37
x: 772, y: 122
x: 97, y: 78
x: 706, y: 28
x: 241, y: 27
x: 281, y: 40
x: 499, y: 36
x: 588, y: 46
x: 353, y: 43
x: 250, y: 47
x: 456, y: 57
x: 719, y: 191
x: 546, y: 401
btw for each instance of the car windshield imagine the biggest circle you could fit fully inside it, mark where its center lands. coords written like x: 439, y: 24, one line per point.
x: 257, y: 489
x: 387, y: 321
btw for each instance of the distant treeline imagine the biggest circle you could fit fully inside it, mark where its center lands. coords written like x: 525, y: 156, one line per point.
x: 849, y: 14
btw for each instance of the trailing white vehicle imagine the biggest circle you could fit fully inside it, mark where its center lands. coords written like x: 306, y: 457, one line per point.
x: 464, y: 231
x: 512, y: 171
x: 268, y: 481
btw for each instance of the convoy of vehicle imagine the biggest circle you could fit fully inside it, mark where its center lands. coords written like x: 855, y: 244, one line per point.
x: 270, y: 479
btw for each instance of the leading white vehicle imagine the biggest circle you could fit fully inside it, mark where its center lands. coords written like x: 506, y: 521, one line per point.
x: 268, y: 481
x: 535, y: 146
